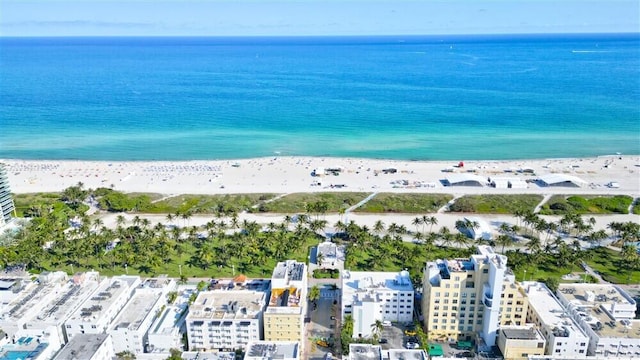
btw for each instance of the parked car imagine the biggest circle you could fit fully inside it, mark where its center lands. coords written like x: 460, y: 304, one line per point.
x: 383, y: 341
x: 386, y: 323
x: 412, y: 345
x: 333, y: 317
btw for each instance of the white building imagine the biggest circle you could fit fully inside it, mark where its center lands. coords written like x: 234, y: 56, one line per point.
x: 564, y: 337
x: 130, y: 328
x: 24, y: 308
x: 225, y: 319
x: 365, y: 352
x: 371, y: 296
x: 96, y: 313
x: 268, y: 350
x: 606, y: 314
x: 164, y: 333
x: 13, y: 287
x: 87, y: 347
x: 477, y: 229
x: 331, y: 255
x: 49, y: 321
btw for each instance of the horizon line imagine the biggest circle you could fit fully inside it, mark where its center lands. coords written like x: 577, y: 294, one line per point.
x: 331, y: 35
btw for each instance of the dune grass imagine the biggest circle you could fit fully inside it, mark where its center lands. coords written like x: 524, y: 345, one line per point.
x: 405, y: 203
x: 495, y: 204
x: 562, y: 204
x: 297, y: 203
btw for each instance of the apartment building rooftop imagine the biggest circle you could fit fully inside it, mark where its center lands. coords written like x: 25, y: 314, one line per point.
x: 290, y: 269
x: 228, y: 305
x: 606, y: 308
x: 267, y: 350
x: 550, y: 311
x: 200, y: 355
x: 363, y: 281
x: 521, y: 333
x: 82, y: 346
x: 24, y: 305
x: 365, y: 352
x: 103, y: 297
x: 406, y: 354
x: 66, y: 302
x: 137, y: 309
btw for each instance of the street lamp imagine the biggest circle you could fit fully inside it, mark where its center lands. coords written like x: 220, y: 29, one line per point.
x: 180, y: 269
x: 524, y: 277
x: 126, y: 269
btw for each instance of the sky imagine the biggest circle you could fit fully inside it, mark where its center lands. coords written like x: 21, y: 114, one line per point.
x: 314, y: 17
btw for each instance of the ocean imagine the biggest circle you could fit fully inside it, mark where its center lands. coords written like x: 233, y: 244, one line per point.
x: 409, y: 98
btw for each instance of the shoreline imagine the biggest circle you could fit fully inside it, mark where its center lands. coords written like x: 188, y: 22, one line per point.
x: 288, y: 174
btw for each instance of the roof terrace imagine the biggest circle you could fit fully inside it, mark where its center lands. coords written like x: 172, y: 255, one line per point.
x: 225, y: 304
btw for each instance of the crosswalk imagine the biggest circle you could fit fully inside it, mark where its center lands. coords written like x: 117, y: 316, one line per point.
x: 329, y: 294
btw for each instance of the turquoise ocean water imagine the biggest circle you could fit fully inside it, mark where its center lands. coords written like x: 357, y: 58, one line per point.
x: 427, y: 98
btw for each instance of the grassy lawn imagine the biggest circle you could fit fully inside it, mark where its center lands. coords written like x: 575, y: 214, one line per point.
x: 405, y: 203
x: 495, y: 204
x: 207, y: 204
x: 609, y: 264
x: 172, y: 269
x: 365, y: 260
x: 561, y: 205
x: 296, y: 203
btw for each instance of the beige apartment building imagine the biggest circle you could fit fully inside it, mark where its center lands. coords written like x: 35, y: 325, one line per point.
x: 466, y: 297
x: 520, y: 342
x: 284, y: 315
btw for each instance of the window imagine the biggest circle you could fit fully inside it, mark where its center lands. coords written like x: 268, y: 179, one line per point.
x: 583, y: 344
x: 447, y: 286
x: 469, y: 276
x: 457, y: 286
x: 581, y: 351
x: 435, y: 321
x: 510, y: 296
x: 444, y: 321
x: 446, y: 294
x: 540, y: 345
x: 454, y: 308
x: 455, y: 301
x: 457, y: 278
x: 437, y: 294
x: 485, y: 271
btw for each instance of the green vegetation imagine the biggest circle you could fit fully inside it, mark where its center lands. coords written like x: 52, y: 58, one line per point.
x: 636, y: 206
x: 112, y: 200
x: 33, y: 205
x: 334, y: 202
x: 346, y: 334
x: 562, y: 259
x: 405, y: 203
x: 496, y: 204
x: 326, y: 274
x: 560, y: 205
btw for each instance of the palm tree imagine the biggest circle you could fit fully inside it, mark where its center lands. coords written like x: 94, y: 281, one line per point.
x: 314, y: 295
x: 416, y: 222
x: 319, y: 258
x: 378, y: 227
x: 376, y: 328
x: 504, y: 240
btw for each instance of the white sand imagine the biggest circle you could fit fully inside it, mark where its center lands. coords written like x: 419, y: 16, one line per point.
x: 293, y: 174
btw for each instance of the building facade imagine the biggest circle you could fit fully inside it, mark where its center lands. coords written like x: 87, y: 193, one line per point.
x: 284, y: 315
x: 465, y: 297
x: 520, y: 342
x: 7, y: 208
x: 130, y: 329
x: 225, y: 320
x: 376, y: 296
x: 563, y: 336
x: 96, y: 313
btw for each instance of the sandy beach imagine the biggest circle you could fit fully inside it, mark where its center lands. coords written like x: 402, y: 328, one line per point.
x: 295, y: 174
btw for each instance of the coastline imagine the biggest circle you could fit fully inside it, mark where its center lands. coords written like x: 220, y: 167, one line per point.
x: 285, y: 174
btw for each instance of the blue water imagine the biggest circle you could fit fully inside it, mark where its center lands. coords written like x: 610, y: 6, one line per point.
x: 489, y: 97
